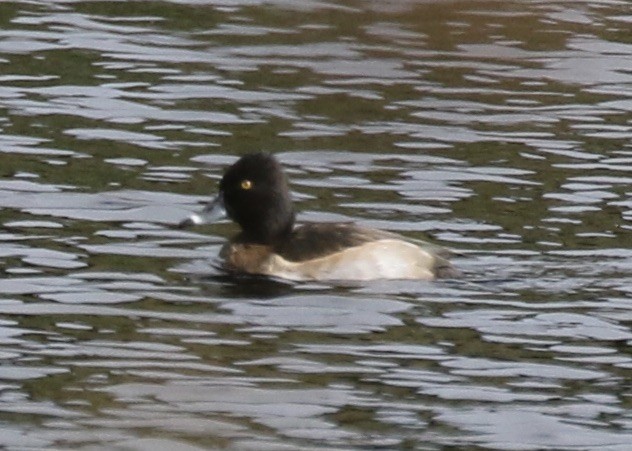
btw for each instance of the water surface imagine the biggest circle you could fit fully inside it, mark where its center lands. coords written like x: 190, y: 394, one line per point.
x: 501, y: 130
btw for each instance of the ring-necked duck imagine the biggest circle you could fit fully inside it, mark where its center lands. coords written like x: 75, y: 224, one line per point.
x: 254, y: 193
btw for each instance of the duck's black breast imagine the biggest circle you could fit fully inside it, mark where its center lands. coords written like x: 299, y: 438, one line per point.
x: 315, y: 240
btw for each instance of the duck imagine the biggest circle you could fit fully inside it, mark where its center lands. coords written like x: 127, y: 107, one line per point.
x: 254, y: 192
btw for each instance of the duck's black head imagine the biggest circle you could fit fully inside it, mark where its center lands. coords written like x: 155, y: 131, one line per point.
x: 257, y: 197
x: 254, y: 193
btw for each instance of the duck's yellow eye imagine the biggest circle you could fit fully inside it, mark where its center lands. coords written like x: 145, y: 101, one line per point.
x: 246, y: 184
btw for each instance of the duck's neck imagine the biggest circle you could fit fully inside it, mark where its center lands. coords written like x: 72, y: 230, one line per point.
x: 271, y: 232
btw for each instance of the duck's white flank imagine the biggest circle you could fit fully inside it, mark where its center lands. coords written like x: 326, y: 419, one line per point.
x: 382, y: 259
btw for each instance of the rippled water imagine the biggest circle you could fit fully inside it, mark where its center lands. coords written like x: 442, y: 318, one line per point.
x: 499, y: 129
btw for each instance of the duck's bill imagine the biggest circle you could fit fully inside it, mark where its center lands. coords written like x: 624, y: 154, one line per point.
x: 213, y: 212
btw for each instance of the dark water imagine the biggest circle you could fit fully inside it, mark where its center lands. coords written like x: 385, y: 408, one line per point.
x: 499, y: 129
